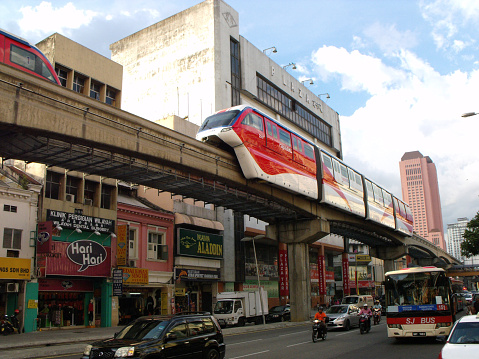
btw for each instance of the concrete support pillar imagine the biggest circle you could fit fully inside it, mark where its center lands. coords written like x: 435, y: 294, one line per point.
x: 299, y: 281
x: 389, y: 265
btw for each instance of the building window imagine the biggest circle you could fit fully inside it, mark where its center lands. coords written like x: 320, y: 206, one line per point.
x: 72, y: 186
x: 235, y: 72
x: 62, y: 75
x: 279, y: 102
x: 106, y: 194
x: 8, y: 208
x: 52, y: 185
x: 12, y: 238
x: 155, y: 245
x: 95, y: 90
x: 110, y: 96
x: 78, y: 84
x: 132, y: 242
x: 89, y: 192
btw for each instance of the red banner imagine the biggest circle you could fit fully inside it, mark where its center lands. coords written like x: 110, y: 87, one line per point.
x: 321, y: 275
x: 420, y: 320
x: 345, y: 263
x: 283, y: 273
x: 70, y: 285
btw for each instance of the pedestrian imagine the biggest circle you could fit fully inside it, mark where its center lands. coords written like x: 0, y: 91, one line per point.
x: 476, y: 305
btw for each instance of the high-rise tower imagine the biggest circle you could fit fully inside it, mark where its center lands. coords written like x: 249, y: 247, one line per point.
x: 420, y: 190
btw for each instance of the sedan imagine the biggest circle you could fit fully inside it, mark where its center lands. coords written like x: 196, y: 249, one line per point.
x: 280, y: 313
x: 343, y: 316
x: 463, y: 341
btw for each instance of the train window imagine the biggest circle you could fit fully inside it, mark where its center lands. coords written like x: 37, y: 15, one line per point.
x: 295, y: 144
x: 221, y: 119
x: 378, y: 195
x: 309, y: 152
x: 327, y: 162
x: 285, y: 137
x: 23, y: 57
x: 253, y: 120
x: 369, y: 188
x: 359, y: 182
x: 387, y: 199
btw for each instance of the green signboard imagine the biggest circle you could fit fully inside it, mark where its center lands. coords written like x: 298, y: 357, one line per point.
x: 200, y: 244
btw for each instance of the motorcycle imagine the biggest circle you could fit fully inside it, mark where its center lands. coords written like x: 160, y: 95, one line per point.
x: 376, y: 315
x: 6, y: 327
x: 319, y: 331
x: 364, y: 324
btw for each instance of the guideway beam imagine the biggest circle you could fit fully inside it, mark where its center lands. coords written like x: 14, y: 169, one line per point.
x: 304, y: 231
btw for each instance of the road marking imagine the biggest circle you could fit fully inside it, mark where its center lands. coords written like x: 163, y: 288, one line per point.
x: 305, y: 331
x: 249, y: 341
x: 247, y: 355
x: 293, y: 345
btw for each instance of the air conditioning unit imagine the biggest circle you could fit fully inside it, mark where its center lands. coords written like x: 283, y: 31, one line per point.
x: 131, y: 263
x: 88, y: 202
x: 12, y: 287
x: 70, y: 198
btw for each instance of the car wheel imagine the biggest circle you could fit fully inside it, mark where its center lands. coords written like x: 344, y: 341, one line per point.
x: 347, y: 325
x: 282, y: 318
x: 212, y: 354
x: 241, y: 322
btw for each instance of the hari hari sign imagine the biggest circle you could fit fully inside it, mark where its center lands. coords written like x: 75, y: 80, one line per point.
x: 200, y: 244
x: 86, y: 253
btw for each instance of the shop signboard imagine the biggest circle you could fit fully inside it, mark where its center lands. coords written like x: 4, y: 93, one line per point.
x: 196, y: 274
x: 44, y: 237
x: 122, y: 244
x: 85, y: 223
x: 117, y: 282
x: 15, y: 268
x: 61, y: 285
x: 283, y: 273
x: 345, y: 266
x: 321, y: 275
x: 199, y: 244
x: 80, y: 258
x: 135, y: 275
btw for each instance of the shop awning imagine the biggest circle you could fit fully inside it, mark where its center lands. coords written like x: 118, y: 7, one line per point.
x: 197, y: 221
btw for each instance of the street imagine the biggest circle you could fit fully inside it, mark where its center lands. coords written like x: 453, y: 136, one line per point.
x: 295, y: 342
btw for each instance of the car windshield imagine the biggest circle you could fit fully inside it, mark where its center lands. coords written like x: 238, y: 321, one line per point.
x: 223, y: 307
x: 337, y: 309
x: 219, y: 120
x: 350, y: 300
x: 277, y: 309
x: 465, y: 333
x: 141, y: 330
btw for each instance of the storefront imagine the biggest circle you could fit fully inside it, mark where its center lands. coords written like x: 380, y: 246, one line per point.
x: 197, y: 269
x: 73, y: 266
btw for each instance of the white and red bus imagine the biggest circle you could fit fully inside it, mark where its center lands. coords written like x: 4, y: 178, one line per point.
x: 270, y: 151
x: 419, y: 302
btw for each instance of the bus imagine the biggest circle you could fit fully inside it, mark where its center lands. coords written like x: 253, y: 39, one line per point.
x: 419, y: 302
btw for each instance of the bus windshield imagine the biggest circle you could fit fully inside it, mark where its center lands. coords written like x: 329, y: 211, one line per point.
x: 417, y: 288
x: 219, y: 120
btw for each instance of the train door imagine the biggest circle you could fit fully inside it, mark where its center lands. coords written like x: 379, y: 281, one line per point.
x: 298, y: 150
x: 272, y: 136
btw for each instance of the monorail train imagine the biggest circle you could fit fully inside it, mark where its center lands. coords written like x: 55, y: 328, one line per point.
x: 19, y: 53
x: 270, y: 151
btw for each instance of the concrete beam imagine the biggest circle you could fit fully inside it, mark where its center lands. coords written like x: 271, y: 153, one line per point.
x: 388, y: 253
x: 305, y: 231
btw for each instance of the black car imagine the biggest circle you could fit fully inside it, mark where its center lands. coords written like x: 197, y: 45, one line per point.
x: 279, y: 313
x: 184, y: 335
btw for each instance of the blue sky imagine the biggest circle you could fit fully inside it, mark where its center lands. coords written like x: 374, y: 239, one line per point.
x: 399, y: 73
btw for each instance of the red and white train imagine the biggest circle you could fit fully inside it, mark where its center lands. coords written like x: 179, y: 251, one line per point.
x: 270, y: 151
x: 19, y: 53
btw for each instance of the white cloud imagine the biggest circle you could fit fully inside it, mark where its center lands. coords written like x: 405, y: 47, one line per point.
x: 389, y: 39
x: 411, y: 107
x: 46, y: 19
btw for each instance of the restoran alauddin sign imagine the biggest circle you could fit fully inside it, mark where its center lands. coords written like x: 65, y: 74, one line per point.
x: 200, y: 244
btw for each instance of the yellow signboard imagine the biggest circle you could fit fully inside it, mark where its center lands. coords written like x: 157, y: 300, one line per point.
x: 363, y: 258
x: 180, y: 292
x: 15, y: 268
x: 32, y: 304
x: 121, y: 244
x: 135, y: 275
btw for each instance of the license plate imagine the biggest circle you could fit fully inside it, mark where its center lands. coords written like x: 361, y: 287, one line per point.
x: 419, y: 334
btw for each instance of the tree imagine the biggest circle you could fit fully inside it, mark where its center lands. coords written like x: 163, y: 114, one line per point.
x: 470, y: 245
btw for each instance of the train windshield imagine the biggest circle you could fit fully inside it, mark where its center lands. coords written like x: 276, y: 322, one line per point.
x: 221, y: 119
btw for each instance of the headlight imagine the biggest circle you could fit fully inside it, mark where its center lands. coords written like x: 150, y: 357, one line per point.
x: 341, y: 317
x: 125, y: 352
x: 87, y: 350
x: 226, y: 129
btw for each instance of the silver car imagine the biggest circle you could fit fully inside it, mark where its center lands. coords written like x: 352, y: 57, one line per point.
x: 343, y: 316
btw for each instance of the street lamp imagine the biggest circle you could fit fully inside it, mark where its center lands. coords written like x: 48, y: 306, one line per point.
x: 469, y: 114
x: 248, y: 239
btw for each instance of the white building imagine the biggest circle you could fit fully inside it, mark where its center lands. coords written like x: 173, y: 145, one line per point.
x: 455, y: 232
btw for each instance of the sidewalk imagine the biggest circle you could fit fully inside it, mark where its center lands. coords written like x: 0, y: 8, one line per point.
x: 74, y: 339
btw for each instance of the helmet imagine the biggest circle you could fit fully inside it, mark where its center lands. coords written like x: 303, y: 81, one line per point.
x: 377, y: 301
x: 320, y: 308
x: 365, y: 305
x: 17, y: 311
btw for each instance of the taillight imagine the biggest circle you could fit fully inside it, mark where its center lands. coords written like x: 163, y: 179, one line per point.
x: 440, y: 355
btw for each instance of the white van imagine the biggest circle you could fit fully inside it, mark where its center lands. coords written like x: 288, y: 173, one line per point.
x: 359, y: 300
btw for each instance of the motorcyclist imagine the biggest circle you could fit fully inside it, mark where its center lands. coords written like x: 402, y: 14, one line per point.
x: 14, y: 320
x: 377, y: 307
x: 321, y: 316
x: 366, y: 311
